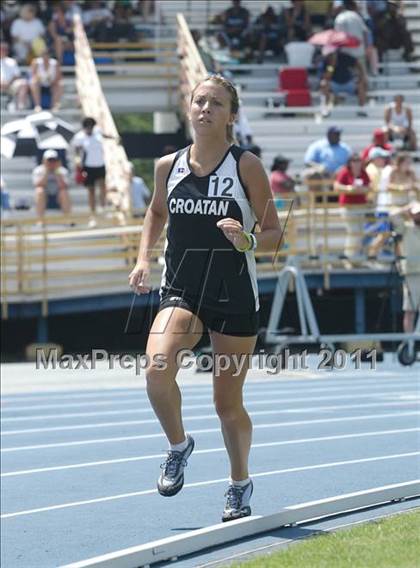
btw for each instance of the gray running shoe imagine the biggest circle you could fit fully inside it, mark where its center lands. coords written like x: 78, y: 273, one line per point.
x: 237, y: 503
x: 171, y: 479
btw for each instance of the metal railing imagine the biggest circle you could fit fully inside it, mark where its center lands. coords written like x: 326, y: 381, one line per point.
x: 59, y: 262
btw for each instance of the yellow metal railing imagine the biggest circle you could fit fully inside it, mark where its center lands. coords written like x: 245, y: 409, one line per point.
x: 55, y: 262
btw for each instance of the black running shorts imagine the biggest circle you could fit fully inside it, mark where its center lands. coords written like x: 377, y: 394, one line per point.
x: 240, y: 325
x: 93, y: 175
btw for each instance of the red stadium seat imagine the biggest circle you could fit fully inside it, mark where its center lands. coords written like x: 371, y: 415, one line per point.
x: 293, y: 82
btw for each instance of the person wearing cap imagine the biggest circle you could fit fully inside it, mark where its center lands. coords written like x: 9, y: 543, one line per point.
x: 342, y: 73
x: 377, y: 158
x: 50, y: 180
x: 379, y: 139
x: 328, y: 152
x: 406, y: 222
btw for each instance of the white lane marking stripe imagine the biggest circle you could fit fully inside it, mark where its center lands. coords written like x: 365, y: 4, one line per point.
x: 205, y: 483
x: 207, y: 430
x: 189, y: 407
x: 211, y: 450
x: 201, y: 417
x: 251, y: 387
x: 134, y: 400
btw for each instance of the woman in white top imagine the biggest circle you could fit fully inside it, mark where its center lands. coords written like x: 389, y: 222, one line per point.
x: 399, y: 122
x: 46, y: 74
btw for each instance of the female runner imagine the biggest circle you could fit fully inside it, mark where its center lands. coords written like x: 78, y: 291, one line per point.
x: 215, y: 194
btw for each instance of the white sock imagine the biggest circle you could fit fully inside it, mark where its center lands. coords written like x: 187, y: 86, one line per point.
x: 179, y: 447
x: 241, y: 483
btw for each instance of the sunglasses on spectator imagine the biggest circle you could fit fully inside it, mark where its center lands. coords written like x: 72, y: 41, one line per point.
x: 355, y: 160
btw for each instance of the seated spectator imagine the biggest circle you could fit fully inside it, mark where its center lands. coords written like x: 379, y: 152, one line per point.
x: 377, y: 158
x: 379, y: 139
x: 50, y: 180
x: 268, y: 31
x: 235, y: 22
x: 140, y: 193
x: 398, y: 184
x: 60, y: 31
x: 11, y: 81
x: 297, y: 21
x: 342, y: 73
x: 399, y: 122
x: 329, y: 152
x: 392, y: 32
x: 353, y: 183
x: 97, y: 19
x: 27, y: 33
x: 282, y: 185
x: 5, y: 200
x: 350, y: 22
x: 319, y: 12
x: 46, y: 86
x: 121, y: 28
x: 299, y: 52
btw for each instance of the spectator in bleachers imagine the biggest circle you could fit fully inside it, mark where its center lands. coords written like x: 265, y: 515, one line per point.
x: 320, y: 12
x: 50, y: 180
x: 140, y: 193
x: 342, y: 73
x: 329, y: 153
x: 377, y: 158
x: 299, y: 52
x: 298, y: 21
x: 268, y: 33
x: 398, y: 184
x: 60, y: 32
x: 398, y: 118
x: 88, y: 145
x: 392, y: 32
x: 12, y: 84
x: 280, y: 181
x: 27, y: 33
x: 4, y: 200
x: 353, y: 183
x: 97, y: 19
x: 379, y: 139
x: 122, y: 28
x: 46, y: 86
x: 349, y: 21
x: 235, y: 22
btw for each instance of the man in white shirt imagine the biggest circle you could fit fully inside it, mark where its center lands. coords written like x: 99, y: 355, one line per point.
x: 88, y: 144
x: 11, y: 82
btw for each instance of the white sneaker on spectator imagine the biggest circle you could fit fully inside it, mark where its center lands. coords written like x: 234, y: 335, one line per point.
x: 92, y: 223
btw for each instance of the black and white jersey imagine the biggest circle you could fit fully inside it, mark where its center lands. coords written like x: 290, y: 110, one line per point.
x: 200, y: 262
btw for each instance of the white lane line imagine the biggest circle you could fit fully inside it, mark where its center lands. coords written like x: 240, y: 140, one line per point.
x: 313, y: 409
x: 254, y: 392
x: 206, y: 431
x: 291, y: 385
x: 210, y: 450
x: 194, y: 406
x: 206, y: 483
